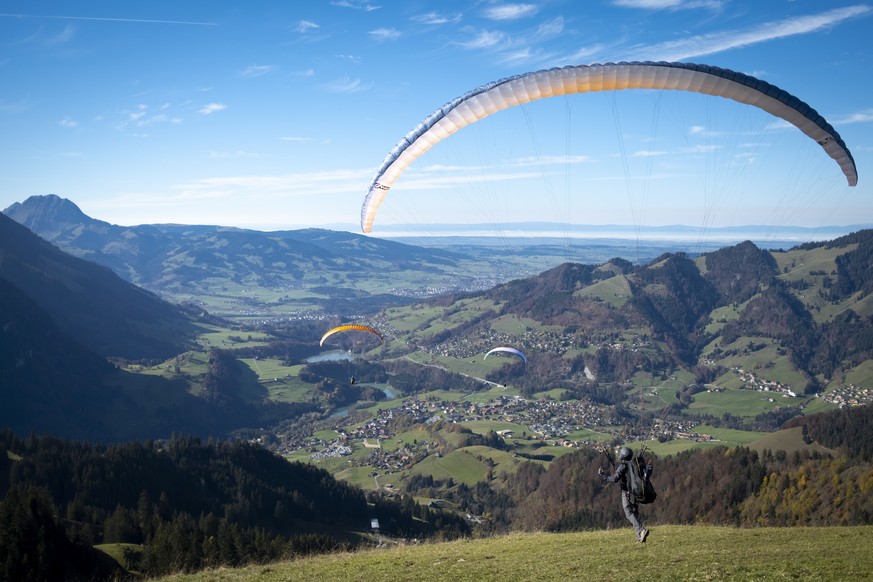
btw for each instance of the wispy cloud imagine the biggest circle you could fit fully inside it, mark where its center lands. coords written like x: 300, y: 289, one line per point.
x: 211, y: 108
x: 350, y: 58
x: 303, y: 184
x: 669, y: 4
x: 510, y: 11
x: 384, y: 34
x: 346, y: 85
x: 550, y: 28
x: 357, y: 5
x: 306, y: 26
x: 484, y: 39
x: 69, y: 123
x: 109, y: 19
x: 298, y: 139
x: 551, y: 160
x: 859, y: 117
x: 435, y: 18
x: 141, y: 116
x: 257, y: 70
x: 708, y: 44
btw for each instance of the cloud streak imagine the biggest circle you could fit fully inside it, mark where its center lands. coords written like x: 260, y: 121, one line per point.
x: 109, y: 19
x: 708, y: 44
x: 510, y: 11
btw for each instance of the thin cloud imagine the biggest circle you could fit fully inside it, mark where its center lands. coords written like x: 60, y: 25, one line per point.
x: 354, y: 4
x: 718, y: 42
x: 860, y: 117
x: 346, y: 85
x: 296, y: 139
x: 306, y: 26
x: 211, y: 108
x: 14, y: 106
x: 510, y: 11
x: 69, y: 123
x: 484, y: 39
x: 552, y: 160
x: 384, y: 34
x: 550, y: 29
x: 669, y: 4
x: 107, y: 19
x: 257, y: 70
x: 434, y: 18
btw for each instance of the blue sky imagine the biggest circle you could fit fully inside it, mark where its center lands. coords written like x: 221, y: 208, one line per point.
x: 274, y: 115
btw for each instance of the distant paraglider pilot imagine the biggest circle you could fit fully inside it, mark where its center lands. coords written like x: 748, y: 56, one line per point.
x: 628, y: 503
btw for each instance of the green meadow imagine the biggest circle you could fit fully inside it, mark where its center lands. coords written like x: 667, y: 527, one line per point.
x: 672, y: 553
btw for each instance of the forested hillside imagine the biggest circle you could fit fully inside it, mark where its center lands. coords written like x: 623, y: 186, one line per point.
x: 188, y: 504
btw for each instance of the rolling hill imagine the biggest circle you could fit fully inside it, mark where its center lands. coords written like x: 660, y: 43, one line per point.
x: 338, y: 271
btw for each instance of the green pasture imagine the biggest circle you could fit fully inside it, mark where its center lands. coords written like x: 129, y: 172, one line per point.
x: 587, y: 434
x: 788, y: 440
x: 761, y: 356
x: 269, y: 368
x: 226, y: 338
x: 359, y: 477
x: 738, y: 402
x: 491, y: 394
x: 861, y: 375
x: 676, y: 446
x: 514, y: 325
x: 461, y: 465
x: 615, y: 291
x: 796, y: 264
x: 729, y: 436
x: 440, y: 395
x: 289, y: 390
x: 409, y: 438
x: 720, y: 317
x: 412, y: 318
x: 815, y: 405
x: 484, y: 426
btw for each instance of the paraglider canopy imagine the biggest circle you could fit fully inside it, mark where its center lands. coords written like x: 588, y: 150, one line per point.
x: 508, y: 350
x: 520, y: 89
x: 351, y: 327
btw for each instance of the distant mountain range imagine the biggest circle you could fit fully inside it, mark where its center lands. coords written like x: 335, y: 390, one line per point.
x: 337, y: 272
x: 167, y: 256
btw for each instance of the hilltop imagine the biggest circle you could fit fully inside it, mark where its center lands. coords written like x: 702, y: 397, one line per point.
x: 674, y: 553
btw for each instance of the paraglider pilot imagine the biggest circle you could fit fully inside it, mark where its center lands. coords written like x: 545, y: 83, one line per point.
x: 631, y: 509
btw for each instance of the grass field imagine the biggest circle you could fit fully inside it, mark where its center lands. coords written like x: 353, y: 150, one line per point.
x: 672, y: 553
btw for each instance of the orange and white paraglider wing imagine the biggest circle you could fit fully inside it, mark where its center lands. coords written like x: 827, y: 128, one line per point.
x: 349, y: 327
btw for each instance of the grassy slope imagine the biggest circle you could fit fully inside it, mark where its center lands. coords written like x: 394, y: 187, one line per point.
x: 672, y: 553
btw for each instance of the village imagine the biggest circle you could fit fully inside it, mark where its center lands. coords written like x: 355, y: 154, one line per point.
x: 551, y: 422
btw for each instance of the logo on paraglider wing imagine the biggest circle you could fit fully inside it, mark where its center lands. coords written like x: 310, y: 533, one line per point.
x: 378, y: 186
